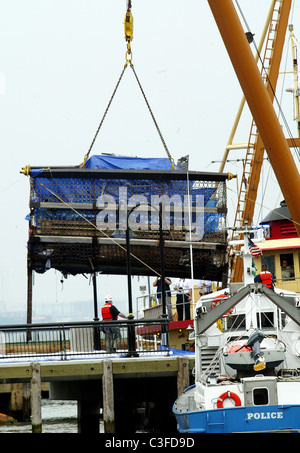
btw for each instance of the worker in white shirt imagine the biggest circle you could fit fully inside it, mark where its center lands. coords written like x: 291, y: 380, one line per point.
x: 183, y: 288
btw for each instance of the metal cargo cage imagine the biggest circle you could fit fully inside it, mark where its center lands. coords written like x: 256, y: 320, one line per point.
x: 79, y: 216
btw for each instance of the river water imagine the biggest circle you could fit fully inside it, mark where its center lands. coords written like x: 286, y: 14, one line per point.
x: 57, y: 417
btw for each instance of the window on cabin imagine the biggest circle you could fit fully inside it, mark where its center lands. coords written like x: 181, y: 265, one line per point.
x: 269, y: 261
x: 265, y: 319
x: 283, y: 318
x: 236, y: 321
x: 287, y: 266
x: 260, y: 396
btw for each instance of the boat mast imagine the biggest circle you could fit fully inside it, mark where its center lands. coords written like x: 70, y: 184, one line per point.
x: 296, y: 90
x: 259, y: 103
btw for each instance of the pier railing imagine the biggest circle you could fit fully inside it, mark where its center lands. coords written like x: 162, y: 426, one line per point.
x: 66, y: 341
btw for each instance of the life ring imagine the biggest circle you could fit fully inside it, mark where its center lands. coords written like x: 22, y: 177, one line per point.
x: 231, y: 395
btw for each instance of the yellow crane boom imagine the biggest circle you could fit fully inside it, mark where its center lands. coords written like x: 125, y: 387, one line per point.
x: 266, y: 132
x: 255, y: 150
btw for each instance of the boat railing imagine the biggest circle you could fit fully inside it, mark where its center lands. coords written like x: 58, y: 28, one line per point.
x: 150, y: 305
x: 66, y: 341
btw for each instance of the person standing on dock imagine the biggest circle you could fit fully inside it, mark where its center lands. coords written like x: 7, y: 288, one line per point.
x: 157, y: 284
x: 183, y: 287
x: 112, y: 334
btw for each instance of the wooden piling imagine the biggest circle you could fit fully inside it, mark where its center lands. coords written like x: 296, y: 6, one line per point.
x: 36, y: 410
x: 108, y: 397
x: 183, y: 376
x: 26, y: 397
x: 88, y: 416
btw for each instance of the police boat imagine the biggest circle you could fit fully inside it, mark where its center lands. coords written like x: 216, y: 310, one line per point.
x: 252, y: 382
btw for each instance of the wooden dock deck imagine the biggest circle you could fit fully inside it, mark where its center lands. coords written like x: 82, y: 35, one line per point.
x: 134, y: 392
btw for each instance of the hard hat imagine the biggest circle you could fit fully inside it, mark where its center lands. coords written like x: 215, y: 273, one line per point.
x: 108, y: 299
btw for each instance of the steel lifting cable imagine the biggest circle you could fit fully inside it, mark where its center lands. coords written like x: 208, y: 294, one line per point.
x: 154, y: 120
x: 101, y: 122
x: 128, y: 26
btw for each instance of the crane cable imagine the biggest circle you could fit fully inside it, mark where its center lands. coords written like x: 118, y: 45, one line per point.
x: 128, y: 27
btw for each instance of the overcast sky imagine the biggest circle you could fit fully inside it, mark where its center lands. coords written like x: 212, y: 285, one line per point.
x: 59, y: 63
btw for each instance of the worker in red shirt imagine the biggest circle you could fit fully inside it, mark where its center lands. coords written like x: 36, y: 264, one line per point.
x: 112, y: 334
x: 265, y: 277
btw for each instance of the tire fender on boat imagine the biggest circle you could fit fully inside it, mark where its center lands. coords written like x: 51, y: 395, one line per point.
x: 231, y: 395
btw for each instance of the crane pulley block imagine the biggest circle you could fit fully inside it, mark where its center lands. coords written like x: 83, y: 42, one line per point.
x: 128, y: 25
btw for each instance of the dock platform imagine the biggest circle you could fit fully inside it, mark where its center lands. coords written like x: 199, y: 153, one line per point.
x: 134, y: 393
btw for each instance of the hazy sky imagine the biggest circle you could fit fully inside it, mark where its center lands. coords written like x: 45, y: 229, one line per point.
x: 59, y: 63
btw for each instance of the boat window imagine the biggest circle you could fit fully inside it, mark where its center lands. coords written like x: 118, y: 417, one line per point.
x: 237, y: 321
x: 299, y: 259
x: 265, y: 319
x: 283, y: 318
x: 287, y: 266
x: 270, y: 262
x: 260, y: 396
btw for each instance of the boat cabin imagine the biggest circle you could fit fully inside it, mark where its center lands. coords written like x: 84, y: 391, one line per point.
x: 281, y: 250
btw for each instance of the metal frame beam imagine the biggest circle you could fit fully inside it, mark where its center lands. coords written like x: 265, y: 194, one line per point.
x: 283, y: 303
x: 164, y: 175
x: 206, y: 320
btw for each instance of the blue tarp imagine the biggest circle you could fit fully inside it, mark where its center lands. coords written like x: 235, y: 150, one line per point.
x: 121, y: 163
x: 129, y: 163
x: 174, y: 351
x: 87, y: 190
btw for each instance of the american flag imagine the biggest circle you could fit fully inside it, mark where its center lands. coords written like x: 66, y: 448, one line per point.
x: 254, y: 249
